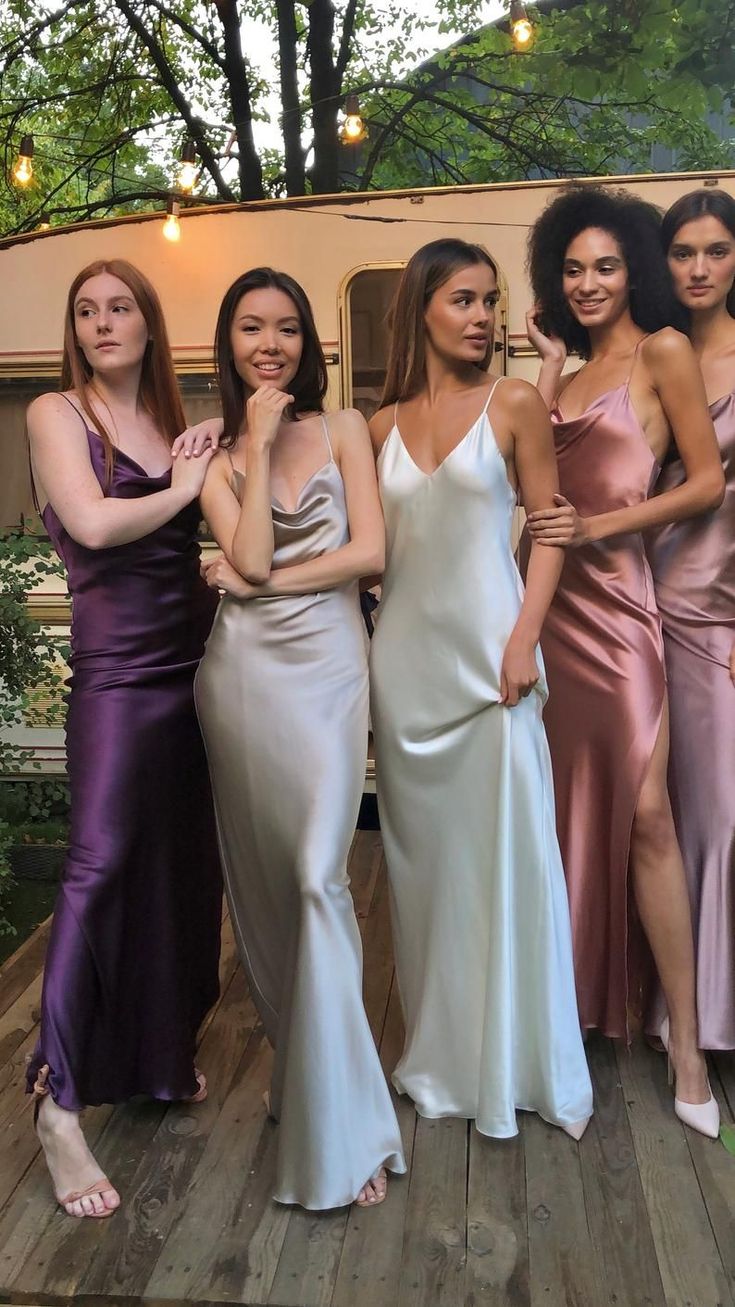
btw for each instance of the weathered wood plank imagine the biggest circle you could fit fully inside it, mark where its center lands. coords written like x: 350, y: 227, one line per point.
x: 562, y: 1263
x: 497, y: 1273
x: 688, y: 1258
x: 715, y: 1170
x: 23, y: 966
x: 432, y: 1274
x: 616, y: 1209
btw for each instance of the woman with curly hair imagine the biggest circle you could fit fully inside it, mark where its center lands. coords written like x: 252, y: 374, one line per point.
x: 602, y: 288
x: 693, y: 566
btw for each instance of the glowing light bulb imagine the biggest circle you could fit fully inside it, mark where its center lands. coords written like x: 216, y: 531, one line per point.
x: 188, y: 166
x: 23, y: 170
x: 353, y: 129
x: 521, y: 27
x: 172, y: 226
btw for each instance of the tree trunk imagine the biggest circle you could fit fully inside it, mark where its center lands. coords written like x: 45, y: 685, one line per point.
x: 251, y: 173
x: 325, y: 88
x: 293, y: 150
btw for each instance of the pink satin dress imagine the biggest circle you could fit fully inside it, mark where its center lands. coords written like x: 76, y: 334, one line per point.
x: 693, y: 564
x: 603, y: 649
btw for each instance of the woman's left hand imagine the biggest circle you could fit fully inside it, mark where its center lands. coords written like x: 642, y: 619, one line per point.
x: 221, y: 575
x: 194, y: 441
x: 519, y: 671
x: 560, y: 526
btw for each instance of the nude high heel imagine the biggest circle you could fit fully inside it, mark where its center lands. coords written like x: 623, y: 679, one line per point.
x: 703, y: 1117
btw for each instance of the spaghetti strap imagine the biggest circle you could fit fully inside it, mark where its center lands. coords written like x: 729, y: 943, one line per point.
x: 326, y: 437
x: 395, y: 414
x: 78, y: 412
x: 633, y: 360
x: 492, y: 392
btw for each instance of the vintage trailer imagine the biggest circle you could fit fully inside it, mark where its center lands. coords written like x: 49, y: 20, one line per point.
x: 347, y: 250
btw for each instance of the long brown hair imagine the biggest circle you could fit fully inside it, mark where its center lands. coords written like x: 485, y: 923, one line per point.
x: 308, y: 387
x: 700, y: 204
x: 425, y: 272
x: 158, y: 392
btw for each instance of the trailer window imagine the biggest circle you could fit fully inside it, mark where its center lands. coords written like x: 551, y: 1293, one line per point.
x: 368, y: 299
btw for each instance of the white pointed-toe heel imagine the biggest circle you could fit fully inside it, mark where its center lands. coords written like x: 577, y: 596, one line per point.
x: 702, y: 1117
x: 577, y: 1128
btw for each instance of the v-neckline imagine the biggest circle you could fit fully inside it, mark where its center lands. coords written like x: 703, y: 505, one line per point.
x: 150, y: 476
x: 452, y: 451
x: 602, y: 395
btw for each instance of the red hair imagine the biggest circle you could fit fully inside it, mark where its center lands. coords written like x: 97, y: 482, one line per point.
x: 158, y: 391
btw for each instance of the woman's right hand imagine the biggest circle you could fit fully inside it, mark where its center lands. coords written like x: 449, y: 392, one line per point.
x: 263, y: 413
x: 187, y: 474
x: 551, y: 349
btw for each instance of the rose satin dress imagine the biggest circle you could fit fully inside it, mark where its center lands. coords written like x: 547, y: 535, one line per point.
x: 480, y: 914
x: 694, y: 572
x: 282, y: 696
x: 603, y: 650
x: 132, y: 961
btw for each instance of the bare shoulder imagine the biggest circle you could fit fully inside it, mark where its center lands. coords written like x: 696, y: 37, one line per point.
x: 53, y: 404
x: 380, y: 425
x: 666, y: 348
x: 519, y: 397
x: 347, y: 426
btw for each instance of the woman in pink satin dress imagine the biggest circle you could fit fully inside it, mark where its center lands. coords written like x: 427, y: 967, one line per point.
x: 602, y: 289
x: 693, y: 565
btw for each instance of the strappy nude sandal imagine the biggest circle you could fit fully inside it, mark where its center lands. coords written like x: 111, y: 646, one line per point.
x: 380, y: 1196
x: 103, y: 1185
x: 201, y: 1092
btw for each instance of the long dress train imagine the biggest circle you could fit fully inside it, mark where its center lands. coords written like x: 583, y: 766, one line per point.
x: 480, y: 914
x: 282, y: 697
x: 131, y: 968
x: 693, y: 566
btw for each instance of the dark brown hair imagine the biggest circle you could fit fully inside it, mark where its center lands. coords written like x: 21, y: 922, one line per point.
x: 308, y: 387
x: 425, y: 272
x: 700, y: 204
x: 158, y: 392
x: 635, y: 226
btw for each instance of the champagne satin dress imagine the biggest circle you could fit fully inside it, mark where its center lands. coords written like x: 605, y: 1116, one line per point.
x: 603, y: 650
x: 693, y: 566
x: 480, y: 914
x: 282, y: 695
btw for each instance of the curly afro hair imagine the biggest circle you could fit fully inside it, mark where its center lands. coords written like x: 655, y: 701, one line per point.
x: 635, y: 225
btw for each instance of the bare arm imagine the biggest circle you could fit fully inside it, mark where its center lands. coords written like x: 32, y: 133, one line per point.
x: 64, y: 472
x: 553, y: 354
x: 364, y: 553
x: 678, y: 383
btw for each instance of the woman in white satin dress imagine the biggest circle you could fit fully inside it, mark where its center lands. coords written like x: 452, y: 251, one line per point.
x: 282, y: 696
x: 480, y: 913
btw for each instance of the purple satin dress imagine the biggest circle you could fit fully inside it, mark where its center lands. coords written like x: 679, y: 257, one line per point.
x: 132, y: 961
x: 603, y: 650
x: 694, y: 571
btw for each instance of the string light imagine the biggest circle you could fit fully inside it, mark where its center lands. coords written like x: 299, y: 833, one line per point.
x: 521, y: 27
x: 172, y: 226
x: 23, y: 170
x: 188, y: 166
x: 353, y: 129
x: 44, y: 222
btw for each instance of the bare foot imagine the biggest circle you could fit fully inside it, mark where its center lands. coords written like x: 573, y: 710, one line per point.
x: 71, y: 1165
x: 374, y: 1191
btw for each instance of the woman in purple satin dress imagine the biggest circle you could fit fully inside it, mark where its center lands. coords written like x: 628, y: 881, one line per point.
x: 132, y: 962
x: 693, y: 566
x: 602, y: 287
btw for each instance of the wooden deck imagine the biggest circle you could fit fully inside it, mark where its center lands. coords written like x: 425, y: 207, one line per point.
x: 641, y: 1214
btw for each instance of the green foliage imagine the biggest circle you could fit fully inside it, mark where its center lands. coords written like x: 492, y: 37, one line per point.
x: 27, y: 654
x: 110, y: 91
x: 6, y: 878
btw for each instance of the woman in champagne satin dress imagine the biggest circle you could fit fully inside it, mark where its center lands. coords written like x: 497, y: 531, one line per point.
x: 602, y: 286
x: 693, y: 565
x: 282, y: 695
x: 480, y: 914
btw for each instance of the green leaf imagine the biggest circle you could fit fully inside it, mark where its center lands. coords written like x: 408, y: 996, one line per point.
x: 727, y: 1135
